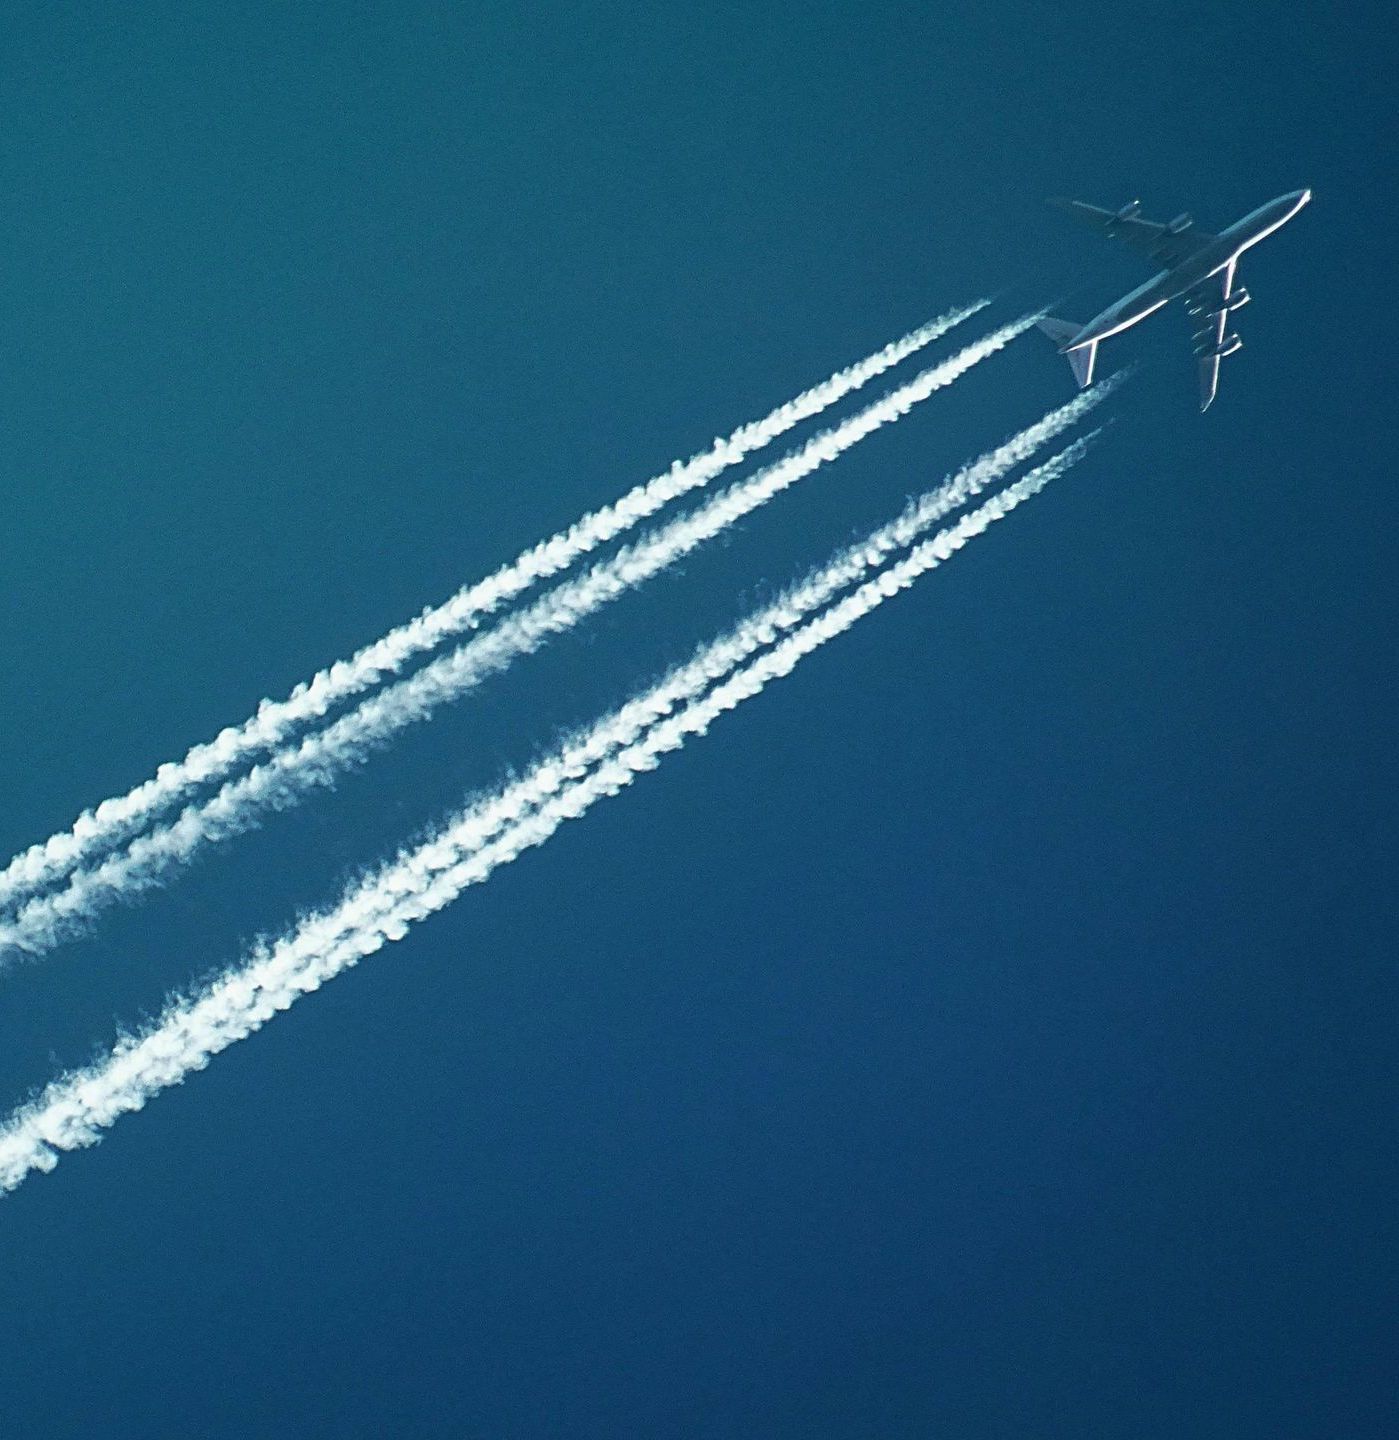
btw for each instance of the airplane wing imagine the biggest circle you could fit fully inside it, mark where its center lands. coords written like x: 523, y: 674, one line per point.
x: 1210, y: 305
x: 1167, y: 245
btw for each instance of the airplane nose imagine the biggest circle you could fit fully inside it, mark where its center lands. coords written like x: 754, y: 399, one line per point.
x: 1303, y: 197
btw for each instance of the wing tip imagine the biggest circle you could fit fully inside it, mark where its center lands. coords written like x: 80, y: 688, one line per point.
x: 1209, y: 381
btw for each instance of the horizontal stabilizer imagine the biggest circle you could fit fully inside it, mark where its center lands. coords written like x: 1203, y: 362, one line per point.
x: 1059, y: 331
x: 1080, y: 359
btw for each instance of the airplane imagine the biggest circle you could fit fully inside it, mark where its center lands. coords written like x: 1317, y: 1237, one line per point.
x: 1198, y: 268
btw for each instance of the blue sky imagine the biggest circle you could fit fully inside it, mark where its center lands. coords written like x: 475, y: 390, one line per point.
x: 986, y: 1032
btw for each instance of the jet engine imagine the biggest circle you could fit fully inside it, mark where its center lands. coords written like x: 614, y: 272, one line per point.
x: 1228, y: 345
x: 1129, y: 211
x: 1236, y: 300
x: 1180, y: 224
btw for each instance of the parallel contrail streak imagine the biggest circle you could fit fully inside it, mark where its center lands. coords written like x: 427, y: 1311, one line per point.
x: 115, y: 819
x: 74, y: 1110
x: 47, y: 920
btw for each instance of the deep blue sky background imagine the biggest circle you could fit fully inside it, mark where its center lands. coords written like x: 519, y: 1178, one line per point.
x: 989, y: 1031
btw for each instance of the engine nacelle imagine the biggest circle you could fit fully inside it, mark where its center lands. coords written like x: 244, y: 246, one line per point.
x: 1129, y: 211
x: 1180, y: 224
x: 1234, y: 301
x: 1228, y: 346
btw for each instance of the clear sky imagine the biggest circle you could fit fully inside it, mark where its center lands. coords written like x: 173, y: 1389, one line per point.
x: 989, y: 1031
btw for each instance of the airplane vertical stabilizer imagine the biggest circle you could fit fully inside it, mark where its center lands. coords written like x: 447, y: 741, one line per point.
x: 1081, y: 360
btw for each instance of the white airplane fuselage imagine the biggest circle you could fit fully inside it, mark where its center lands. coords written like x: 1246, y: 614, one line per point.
x: 1221, y: 253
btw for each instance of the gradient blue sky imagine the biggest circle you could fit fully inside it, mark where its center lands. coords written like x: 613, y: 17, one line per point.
x: 988, y: 1032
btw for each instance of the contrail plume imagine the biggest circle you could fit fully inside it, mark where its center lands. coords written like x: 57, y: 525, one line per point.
x: 320, y: 757
x: 75, y: 1109
x: 115, y: 819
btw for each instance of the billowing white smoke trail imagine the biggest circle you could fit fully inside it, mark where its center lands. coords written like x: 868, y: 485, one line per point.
x: 279, y: 783
x: 74, y: 1110
x: 113, y: 820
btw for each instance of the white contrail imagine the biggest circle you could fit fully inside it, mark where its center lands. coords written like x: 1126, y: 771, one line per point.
x: 47, y: 920
x: 75, y: 1109
x: 114, y: 819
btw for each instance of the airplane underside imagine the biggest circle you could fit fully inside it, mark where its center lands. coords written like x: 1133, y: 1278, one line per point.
x: 1196, y: 267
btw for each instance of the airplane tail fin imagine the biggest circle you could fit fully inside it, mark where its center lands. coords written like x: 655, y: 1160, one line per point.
x: 1082, y: 359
